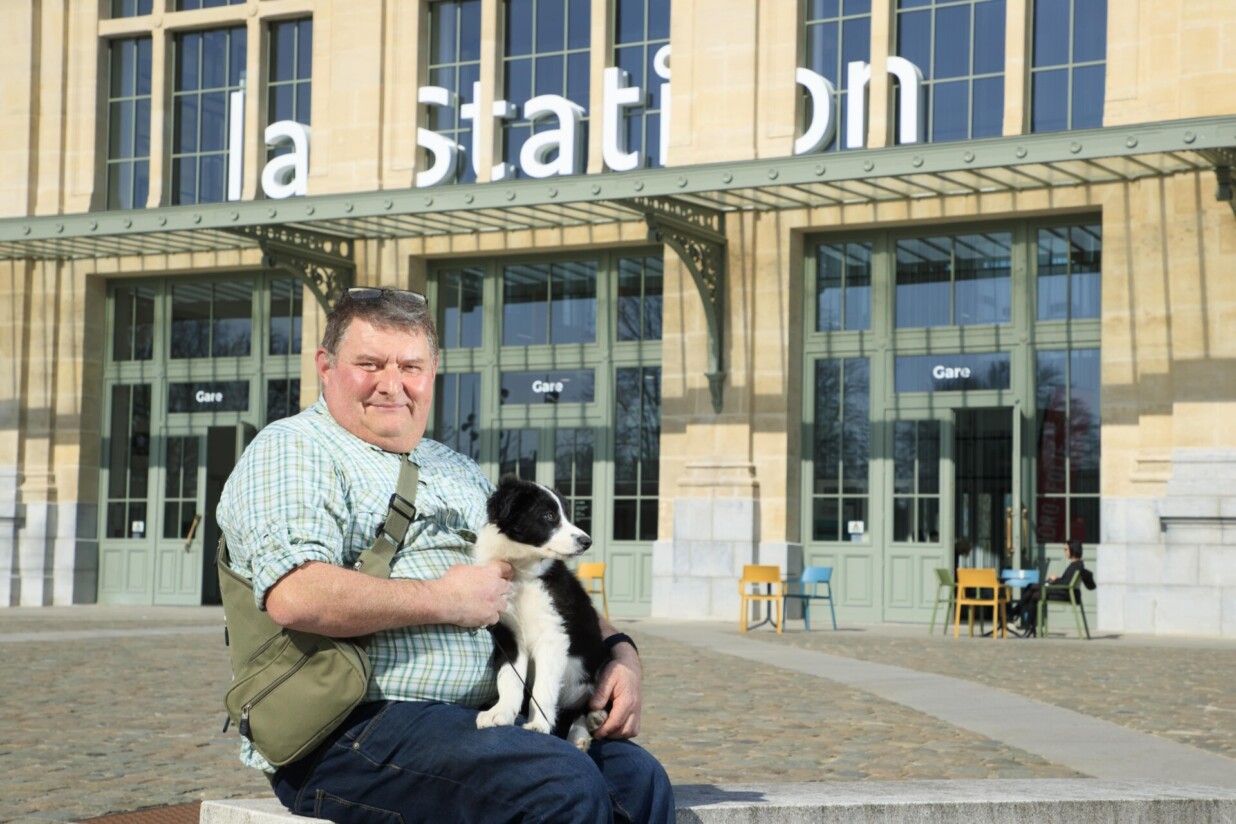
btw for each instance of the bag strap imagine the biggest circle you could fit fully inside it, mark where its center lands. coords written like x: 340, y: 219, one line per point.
x: 400, y: 514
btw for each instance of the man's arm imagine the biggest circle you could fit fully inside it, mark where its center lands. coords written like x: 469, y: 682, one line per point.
x: 621, y: 683
x: 329, y: 600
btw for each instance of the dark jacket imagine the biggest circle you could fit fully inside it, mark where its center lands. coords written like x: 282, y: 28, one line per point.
x: 1087, y: 579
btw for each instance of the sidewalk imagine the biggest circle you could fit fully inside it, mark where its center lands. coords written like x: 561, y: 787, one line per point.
x: 85, y: 736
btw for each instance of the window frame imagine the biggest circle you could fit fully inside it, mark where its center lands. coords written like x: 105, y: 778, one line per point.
x: 841, y: 91
x: 1070, y: 67
x: 931, y: 83
x: 114, y: 157
x: 457, y: 129
x: 510, y: 146
x: 173, y: 155
x: 637, y: 119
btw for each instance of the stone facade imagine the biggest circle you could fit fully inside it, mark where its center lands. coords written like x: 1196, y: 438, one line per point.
x: 731, y: 482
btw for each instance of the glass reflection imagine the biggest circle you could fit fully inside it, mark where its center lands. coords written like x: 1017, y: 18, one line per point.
x: 1069, y: 272
x: 843, y: 286
x: 639, y: 299
x: 460, y: 301
x: 573, y: 309
x: 841, y: 443
x: 1068, y: 449
x: 128, y: 461
x: 983, y: 279
x: 212, y: 320
x: 923, y: 277
x: 573, y: 456
x: 916, y: 481
x: 282, y: 398
x: 286, y: 311
x: 133, y: 323
x: 517, y: 453
x: 546, y: 303
x: 525, y: 305
x: 637, y: 438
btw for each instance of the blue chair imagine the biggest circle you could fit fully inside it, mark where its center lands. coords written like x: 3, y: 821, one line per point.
x: 813, y: 577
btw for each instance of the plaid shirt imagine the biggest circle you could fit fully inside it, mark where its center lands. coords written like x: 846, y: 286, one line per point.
x: 306, y: 489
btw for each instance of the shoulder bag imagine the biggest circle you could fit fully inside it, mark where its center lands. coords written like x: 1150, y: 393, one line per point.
x: 291, y: 689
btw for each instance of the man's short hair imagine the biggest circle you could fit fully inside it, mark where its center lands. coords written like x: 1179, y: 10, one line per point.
x: 384, y: 309
x: 1075, y: 548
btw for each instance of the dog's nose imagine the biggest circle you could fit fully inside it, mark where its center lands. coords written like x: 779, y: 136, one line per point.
x: 583, y: 542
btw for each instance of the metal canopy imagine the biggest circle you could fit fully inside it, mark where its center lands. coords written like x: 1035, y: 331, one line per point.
x: 1023, y: 163
x: 684, y: 207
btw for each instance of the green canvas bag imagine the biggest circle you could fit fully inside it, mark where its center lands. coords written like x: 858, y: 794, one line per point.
x: 291, y: 689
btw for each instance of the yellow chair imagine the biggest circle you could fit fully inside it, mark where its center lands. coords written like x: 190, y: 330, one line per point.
x: 971, y: 584
x: 592, y: 576
x: 760, y: 575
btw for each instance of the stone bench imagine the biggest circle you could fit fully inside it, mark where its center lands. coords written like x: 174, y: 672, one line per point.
x: 1062, y: 801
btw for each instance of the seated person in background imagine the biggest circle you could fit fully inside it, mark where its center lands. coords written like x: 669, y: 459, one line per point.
x: 1027, y: 609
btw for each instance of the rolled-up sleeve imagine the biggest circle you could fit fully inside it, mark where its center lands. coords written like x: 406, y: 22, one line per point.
x: 281, y: 508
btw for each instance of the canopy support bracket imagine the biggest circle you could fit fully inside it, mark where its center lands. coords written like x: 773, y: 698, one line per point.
x: 697, y: 235
x: 1223, y: 159
x: 323, y: 262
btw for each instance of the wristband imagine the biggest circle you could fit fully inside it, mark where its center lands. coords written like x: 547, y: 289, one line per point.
x: 620, y: 638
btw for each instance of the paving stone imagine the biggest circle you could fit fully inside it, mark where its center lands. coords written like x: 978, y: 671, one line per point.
x: 85, y: 736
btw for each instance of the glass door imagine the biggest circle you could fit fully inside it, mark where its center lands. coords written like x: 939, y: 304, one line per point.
x: 918, y: 455
x: 990, y: 516
x: 178, y: 536
x: 561, y: 458
x: 194, y: 465
x: 125, y: 555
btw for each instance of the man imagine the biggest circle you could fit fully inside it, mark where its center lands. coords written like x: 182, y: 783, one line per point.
x: 306, y: 498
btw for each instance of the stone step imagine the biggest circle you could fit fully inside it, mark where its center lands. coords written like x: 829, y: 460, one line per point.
x: 1061, y: 801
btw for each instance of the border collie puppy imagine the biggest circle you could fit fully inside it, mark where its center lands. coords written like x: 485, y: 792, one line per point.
x: 551, y: 622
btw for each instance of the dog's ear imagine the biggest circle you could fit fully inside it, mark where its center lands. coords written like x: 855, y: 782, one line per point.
x: 503, y: 499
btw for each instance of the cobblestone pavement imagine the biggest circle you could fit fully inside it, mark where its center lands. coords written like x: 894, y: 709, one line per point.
x: 84, y: 735
x: 1183, y: 690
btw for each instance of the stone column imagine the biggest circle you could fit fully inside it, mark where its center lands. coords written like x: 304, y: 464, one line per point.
x: 715, y: 532
x: 1168, y: 565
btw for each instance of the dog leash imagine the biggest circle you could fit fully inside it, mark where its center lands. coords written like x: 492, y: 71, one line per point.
x: 527, y: 689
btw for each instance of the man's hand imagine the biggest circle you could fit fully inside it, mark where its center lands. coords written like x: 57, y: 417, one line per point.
x: 621, y: 684
x: 476, y: 594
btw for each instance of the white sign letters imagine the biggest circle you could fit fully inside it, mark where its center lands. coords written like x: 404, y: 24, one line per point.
x: 544, y: 387
x: 285, y: 175
x: 560, y: 151
x: 941, y: 372
x: 911, y: 97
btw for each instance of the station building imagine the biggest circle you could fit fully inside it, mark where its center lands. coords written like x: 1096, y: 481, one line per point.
x: 884, y: 285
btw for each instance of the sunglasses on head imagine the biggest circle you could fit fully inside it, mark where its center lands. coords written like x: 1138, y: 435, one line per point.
x: 366, y: 293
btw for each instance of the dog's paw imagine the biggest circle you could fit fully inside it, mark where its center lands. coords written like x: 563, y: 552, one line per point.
x: 497, y: 717
x: 538, y: 725
x: 581, y: 740
x: 595, y: 719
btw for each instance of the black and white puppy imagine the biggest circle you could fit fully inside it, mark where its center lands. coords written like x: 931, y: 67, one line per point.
x: 551, y: 622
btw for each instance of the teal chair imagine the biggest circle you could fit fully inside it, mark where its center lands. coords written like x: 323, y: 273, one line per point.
x: 814, y: 577
x: 946, y: 593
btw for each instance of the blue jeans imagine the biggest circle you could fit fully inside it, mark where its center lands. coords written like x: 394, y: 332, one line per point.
x: 408, y: 761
